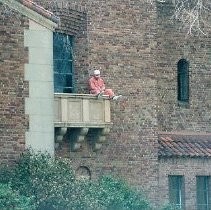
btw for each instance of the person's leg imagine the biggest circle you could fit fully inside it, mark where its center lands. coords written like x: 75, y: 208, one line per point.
x: 109, y: 92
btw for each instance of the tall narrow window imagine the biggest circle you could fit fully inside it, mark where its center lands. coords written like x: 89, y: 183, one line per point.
x: 203, y: 185
x: 183, y: 80
x: 63, y: 63
x: 176, y: 191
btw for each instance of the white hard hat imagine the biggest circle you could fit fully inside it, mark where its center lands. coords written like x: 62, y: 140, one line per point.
x: 96, y: 72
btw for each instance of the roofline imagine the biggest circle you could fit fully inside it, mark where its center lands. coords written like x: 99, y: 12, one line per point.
x: 30, y: 13
x: 184, y: 133
x: 161, y: 156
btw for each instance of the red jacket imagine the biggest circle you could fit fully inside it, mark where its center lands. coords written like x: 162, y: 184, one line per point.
x: 96, y: 85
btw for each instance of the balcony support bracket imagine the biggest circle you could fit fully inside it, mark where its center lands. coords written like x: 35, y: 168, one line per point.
x: 59, y: 134
x: 100, y: 137
x: 77, y: 137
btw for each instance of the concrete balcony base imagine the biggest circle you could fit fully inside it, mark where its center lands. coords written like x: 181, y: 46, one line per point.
x: 76, y: 114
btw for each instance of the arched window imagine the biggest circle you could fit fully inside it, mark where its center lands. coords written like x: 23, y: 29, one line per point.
x: 183, y: 80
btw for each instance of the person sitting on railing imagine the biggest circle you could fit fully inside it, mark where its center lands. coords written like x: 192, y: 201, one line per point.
x: 97, y: 87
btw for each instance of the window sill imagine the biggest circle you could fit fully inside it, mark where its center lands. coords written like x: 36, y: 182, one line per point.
x: 184, y: 104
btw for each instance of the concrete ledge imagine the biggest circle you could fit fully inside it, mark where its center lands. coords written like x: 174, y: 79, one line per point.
x: 81, y: 125
x: 74, y: 95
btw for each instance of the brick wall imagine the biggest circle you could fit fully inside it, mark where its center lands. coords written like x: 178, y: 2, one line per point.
x: 173, y: 44
x: 189, y: 168
x: 13, y: 88
x: 120, y: 39
x: 137, y: 49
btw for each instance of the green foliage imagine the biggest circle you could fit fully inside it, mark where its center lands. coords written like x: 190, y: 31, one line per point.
x: 114, y: 194
x: 51, y: 184
x: 48, y: 180
x: 10, y: 199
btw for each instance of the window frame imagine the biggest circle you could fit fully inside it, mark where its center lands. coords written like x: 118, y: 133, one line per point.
x: 64, y: 81
x: 206, y: 192
x: 177, y: 193
x: 183, y: 81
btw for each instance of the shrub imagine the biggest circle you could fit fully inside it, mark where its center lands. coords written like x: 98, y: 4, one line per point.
x: 10, y: 199
x: 115, y: 194
x: 51, y: 184
x: 48, y: 180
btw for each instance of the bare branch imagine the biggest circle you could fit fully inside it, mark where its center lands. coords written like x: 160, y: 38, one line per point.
x: 192, y: 14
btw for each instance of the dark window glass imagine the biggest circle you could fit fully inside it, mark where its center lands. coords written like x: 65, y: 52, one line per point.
x: 183, y: 80
x: 203, y: 193
x: 63, y: 63
x: 176, y: 191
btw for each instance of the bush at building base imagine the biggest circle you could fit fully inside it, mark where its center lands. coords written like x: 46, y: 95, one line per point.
x: 10, y: 199
x: 51, y: 184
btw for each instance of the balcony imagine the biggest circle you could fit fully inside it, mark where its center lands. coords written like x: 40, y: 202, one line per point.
x: 79, y: 114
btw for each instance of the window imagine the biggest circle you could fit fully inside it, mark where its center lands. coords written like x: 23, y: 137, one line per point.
x: 183, y: 80
x: 63, y: 63
x: 203, y: 192
x: 176, y: 191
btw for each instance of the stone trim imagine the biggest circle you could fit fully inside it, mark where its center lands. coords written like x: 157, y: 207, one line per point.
x: 24, y: 10
x: 40, y: 10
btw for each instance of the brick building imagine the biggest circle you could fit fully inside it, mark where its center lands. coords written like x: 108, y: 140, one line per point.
x: 157, y: 138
